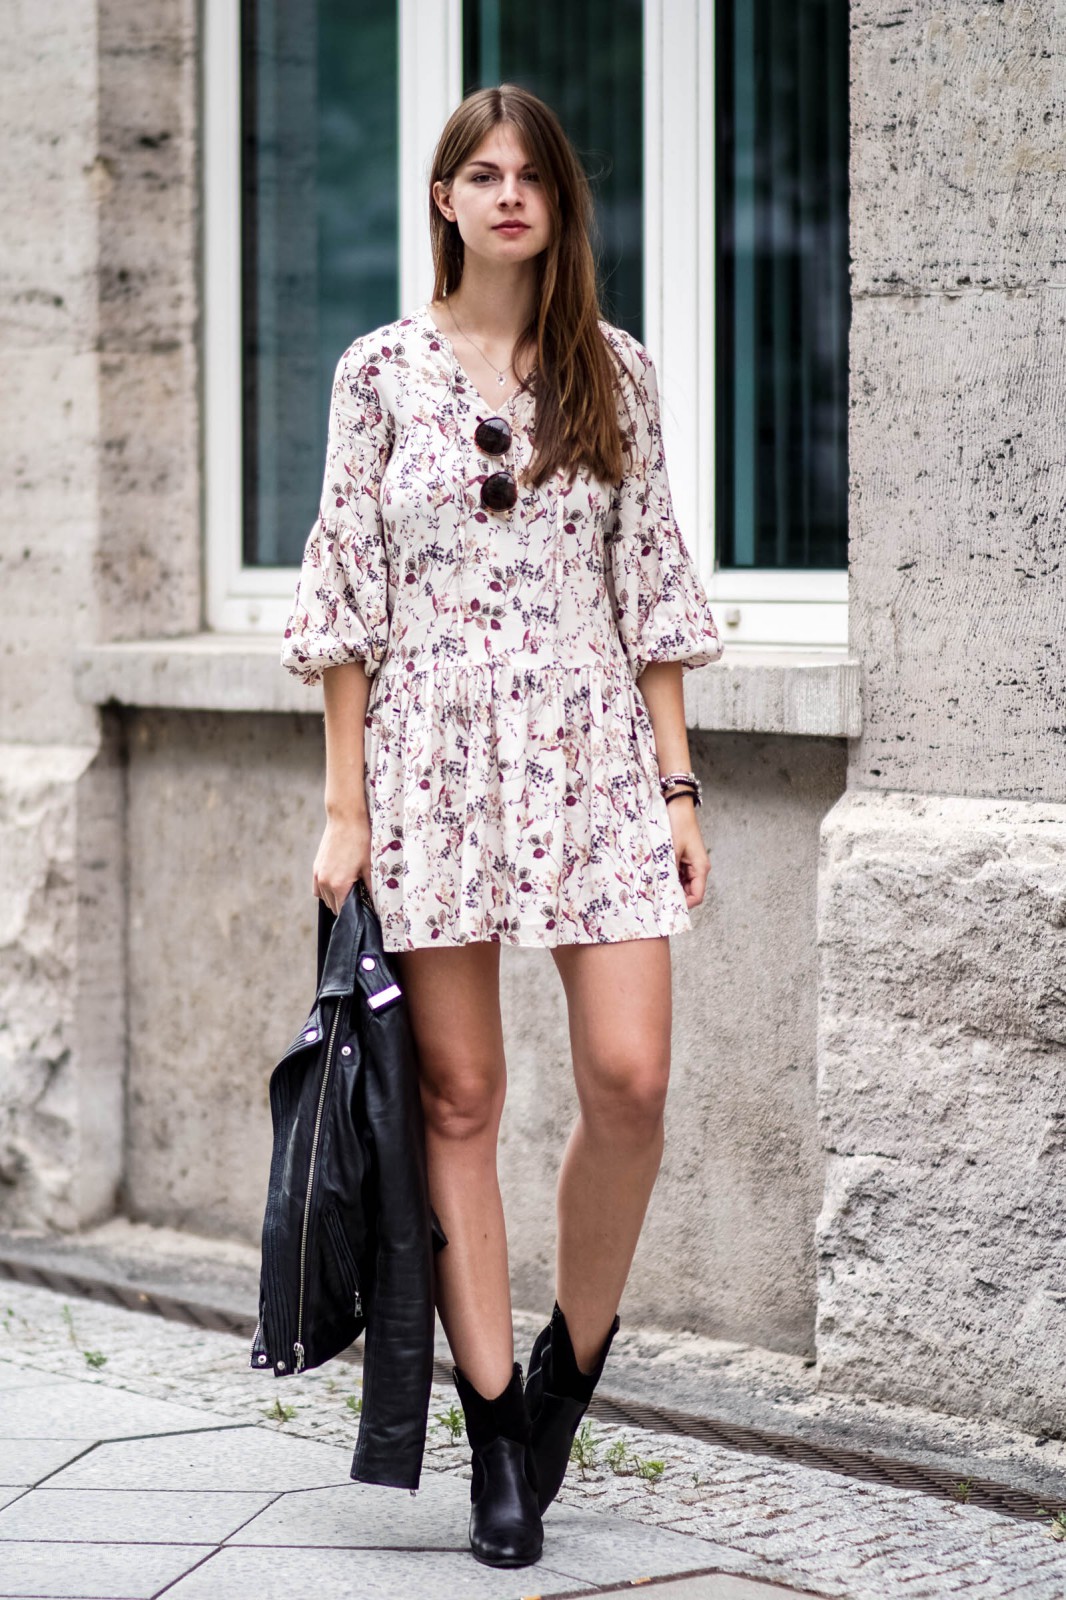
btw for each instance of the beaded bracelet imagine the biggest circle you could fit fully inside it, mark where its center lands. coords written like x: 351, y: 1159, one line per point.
x: 684, y: 783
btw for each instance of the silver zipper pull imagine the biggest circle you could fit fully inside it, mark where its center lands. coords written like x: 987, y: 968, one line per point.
x: 299, y: 1349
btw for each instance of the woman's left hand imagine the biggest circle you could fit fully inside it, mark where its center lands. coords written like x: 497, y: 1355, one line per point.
x: 693, y: 862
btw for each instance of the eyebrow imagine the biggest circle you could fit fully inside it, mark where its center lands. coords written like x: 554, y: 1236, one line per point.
x: 495, y: 166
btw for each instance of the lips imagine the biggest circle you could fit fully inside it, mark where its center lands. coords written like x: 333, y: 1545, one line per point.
x: 511, y: 227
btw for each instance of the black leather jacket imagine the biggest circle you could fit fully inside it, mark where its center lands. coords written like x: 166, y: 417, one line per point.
x: 349, y: 1234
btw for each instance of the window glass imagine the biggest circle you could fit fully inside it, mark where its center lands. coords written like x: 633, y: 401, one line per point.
x: 320, y: 245
x: 781, y: 274
x: 585, y: 59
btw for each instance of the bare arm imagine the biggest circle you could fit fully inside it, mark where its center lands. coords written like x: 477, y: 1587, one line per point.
x: 344, y: 853
x: 660, y: 684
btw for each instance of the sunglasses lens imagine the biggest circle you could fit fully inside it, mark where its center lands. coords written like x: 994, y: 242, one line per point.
x: 499, y: 492
x: 493, y: 436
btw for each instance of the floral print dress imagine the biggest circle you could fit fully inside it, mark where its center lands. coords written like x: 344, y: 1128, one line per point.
x: 509, y: 758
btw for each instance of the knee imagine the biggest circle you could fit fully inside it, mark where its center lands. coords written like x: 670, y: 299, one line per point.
x: 625, y: 1097
x: 462, y: 1104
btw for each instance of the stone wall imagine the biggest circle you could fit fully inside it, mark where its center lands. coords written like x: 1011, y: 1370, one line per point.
x: 224, y: 815
x: 942, y: 1019
x: 99, y: 538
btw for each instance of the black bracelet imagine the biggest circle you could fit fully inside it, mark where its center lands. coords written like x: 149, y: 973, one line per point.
x: 679, y: 792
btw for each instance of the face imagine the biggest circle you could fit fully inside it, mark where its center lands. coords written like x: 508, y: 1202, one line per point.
x: 497, y: 200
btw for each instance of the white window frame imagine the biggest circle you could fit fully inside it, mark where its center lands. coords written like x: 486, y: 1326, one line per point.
x: 756, y: 607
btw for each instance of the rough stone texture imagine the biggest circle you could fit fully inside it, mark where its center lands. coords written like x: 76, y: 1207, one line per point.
x: 942, y: 1099
x: 148, y: 562
x: 958, y: 605
x: 957, y: 177
x: 99, y: 535
x: 225, y: 813
x: 62, y: 984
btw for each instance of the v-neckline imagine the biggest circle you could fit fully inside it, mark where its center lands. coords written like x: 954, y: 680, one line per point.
x: 458, y: 370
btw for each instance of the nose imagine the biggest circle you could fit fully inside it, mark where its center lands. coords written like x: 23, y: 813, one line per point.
x: 511, y: 189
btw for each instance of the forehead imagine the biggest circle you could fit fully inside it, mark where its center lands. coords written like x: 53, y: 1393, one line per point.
x: 503, y: 147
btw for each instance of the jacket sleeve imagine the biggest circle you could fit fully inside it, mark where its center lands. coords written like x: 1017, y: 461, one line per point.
x: 342, y: 605
x: 398, y: 1350
x: 659, y: 604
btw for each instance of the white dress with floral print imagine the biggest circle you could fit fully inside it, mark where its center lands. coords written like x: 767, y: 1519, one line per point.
x: 510, y: 762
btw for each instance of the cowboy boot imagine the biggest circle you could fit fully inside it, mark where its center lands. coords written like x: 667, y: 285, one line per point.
x: 505, y: 1525
x: 557, y: 1397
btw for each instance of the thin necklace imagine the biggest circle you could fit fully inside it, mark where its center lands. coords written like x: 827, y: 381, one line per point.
x: 500, y: 376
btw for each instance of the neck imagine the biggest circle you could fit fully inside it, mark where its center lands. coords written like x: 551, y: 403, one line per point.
x: 494, y: 306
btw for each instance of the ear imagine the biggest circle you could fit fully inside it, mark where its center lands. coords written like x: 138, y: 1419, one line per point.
x: 442, y: 197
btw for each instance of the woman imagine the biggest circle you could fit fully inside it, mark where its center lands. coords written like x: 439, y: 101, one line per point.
x: 495, y: 572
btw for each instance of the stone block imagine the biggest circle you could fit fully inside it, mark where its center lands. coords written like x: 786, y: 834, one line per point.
x: 957, y: 179
x: 225, y: 817
x: 127, y: 1516
x: 96, y: 1411
x: 149, y: 143
x: 122, y: 1571
x: 62, y: 984
x: 24, y: 1462
x: 942, y: 1104
x: 958, y: 607
x: 245, y: 1459
x: 377, y: 1575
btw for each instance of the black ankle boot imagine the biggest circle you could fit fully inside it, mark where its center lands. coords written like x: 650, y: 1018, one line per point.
x: 505, y: 1525
x: 557, y: 1397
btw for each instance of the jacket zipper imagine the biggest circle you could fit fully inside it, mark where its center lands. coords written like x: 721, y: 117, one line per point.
x: 298, y: 1348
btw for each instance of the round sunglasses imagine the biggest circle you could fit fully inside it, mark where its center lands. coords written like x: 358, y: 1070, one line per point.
x: 499, y: 491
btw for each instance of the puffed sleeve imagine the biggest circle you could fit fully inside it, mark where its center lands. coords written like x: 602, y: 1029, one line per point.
x: 659, y: 603
x: 341, y: 610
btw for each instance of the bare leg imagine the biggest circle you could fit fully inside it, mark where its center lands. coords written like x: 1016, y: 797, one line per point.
x: 454, y: 1003
x: 619, y: 1004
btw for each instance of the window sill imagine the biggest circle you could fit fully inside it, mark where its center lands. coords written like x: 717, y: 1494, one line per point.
x: 749, y: 691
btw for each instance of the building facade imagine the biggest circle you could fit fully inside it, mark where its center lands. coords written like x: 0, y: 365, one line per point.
x: 866, y: 1128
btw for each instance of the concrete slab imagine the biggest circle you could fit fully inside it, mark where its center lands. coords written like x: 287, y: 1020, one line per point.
x: 244, y: 1459
x: 24, y: 1462
x: 364, y: 1515
x: 98, y: 1411
x: 12, y: 1377
x: 596, y: 1549
x: 366, y: 1575
x: 128, y: 1516
x: 106, y: 1572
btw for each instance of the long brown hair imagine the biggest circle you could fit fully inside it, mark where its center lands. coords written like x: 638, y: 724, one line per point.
x: 575, y: 376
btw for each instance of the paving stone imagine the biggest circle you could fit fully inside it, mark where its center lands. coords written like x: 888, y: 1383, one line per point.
x: 279, y: 1574
x: 128, y: 1516
x: 13, y: 1377
x: 105, y: 1572
x: 364, y: 1515
x: 244, y: 1459
x: 24, y: 1462
x: 595, y: 1548
x: 52, y: 1412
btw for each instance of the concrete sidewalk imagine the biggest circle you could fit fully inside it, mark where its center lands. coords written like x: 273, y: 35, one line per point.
x: 144, y: 1457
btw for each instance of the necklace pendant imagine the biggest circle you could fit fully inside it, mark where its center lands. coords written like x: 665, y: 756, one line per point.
x: 500, y: 380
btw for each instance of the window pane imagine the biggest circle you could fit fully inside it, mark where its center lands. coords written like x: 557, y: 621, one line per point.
x: 585, y: 58
x: 782, y: 300
x: 320, y: 237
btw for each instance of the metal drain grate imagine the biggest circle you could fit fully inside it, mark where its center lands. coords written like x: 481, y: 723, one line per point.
x: 864, y: 1465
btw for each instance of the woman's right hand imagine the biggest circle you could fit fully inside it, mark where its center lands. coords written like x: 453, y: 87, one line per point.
x: 343, y: 856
